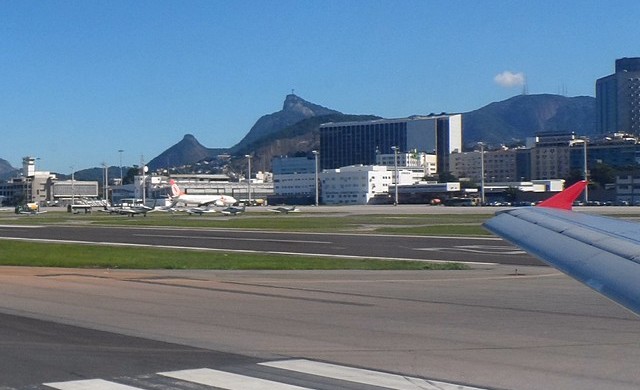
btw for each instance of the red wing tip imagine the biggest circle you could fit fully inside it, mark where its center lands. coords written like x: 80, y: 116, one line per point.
x: 564, y: 200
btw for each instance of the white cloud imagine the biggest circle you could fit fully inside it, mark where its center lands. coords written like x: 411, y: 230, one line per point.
x: 509, y: 79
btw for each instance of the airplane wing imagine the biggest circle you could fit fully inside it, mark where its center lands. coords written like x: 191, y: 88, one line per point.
x: 601, y: 252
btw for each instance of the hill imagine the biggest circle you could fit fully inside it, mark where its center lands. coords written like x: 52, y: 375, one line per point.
x: 187, y: 151
x: 298, y: 139
x: 269, y: 127
x: 522, y: 116
x: 6, y: 170
x: 294, y: 110
x: 294, y: 129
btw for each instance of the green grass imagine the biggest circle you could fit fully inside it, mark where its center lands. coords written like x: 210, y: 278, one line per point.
x: 421, y: 224
x: 92, y: 256
x: 19, y: 253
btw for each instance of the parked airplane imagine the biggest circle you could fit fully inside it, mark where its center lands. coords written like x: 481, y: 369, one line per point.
x: 233, y: 210
x: 178, y: 196
x: 130, y: 211
x: 601, y: 252
x: 199, y: 210
x: 285, y: 210
x: 29, y: 209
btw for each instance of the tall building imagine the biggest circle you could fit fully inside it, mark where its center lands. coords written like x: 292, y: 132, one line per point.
x: 499, y: 165
x: 355, y: 184
x: 550, y: 154
x: 353, y: 143
x: 618, y: 99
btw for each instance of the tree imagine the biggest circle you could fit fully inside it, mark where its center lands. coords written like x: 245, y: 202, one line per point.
x: 602, y: 174
x: 446, y: 177
x: 574, y: 176
x: 131, y: 172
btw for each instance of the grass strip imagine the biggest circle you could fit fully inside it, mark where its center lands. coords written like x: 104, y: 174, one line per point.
x: 428, y: 224
x: 33, y: 254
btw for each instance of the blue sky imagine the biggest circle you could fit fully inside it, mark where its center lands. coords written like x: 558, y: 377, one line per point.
x: 80, y: 80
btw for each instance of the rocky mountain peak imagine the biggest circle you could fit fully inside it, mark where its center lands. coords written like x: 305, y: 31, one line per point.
x: 294, y: 104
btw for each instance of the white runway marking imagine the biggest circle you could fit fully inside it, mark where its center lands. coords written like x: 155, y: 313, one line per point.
x: 227, y: 380
x: 484, y: 249
x: 90, y: 384
x: 193, y: 248
x: 368, y: 377
x: 232, y: 239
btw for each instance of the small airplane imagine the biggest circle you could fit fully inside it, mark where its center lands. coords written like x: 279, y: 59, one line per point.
x: 233, y: 210
x: 29, y: 209
x: 284, y: 210
x: 199, y: 210
x: 601, y: 252
x: 130, y: 211
x: 179, y: 196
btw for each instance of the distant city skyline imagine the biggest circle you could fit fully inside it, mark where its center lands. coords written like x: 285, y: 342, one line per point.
x: 82, y: 80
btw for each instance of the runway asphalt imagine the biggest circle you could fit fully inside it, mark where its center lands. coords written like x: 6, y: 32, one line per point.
x: 486, y: 328
x: 459, y: 249
x: 504, y: 324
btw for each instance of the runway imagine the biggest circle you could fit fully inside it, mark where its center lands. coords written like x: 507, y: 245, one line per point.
x: 484, y: 328
x: 489, y: 327
x: 460, y: 249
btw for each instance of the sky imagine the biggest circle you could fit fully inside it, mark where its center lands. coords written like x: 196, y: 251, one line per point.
x: 82, y: 79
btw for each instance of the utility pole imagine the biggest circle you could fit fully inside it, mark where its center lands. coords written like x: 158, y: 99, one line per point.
x: 315, y: 157
x: 395, y: 163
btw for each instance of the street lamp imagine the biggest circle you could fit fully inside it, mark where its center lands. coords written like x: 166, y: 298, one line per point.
x: 106, y: 180
x: 585, y: 172
x: 395, y: 164
x: 120, y: 151
x: 73, y: 185
x: 481, y: 173
x: 248, y: 156
x: 315, y: 156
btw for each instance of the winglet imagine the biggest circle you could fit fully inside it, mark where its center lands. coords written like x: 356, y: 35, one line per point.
x: 564, y: 200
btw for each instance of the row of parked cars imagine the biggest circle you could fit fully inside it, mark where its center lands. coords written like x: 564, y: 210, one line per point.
x: 605, y: 203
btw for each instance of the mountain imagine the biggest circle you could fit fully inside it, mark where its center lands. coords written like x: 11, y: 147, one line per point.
x: 522, y: 116
x: 187, y: 151
x: 294, y: 110
x: 6, y: 170
x: 294, y: 129
x: 298, y: 139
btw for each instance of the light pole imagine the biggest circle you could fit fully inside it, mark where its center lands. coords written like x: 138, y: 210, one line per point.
x: 106, y: 180
x: 248, y: 156
x: 143, y: 170
x: 73, y: 186
x: 586, y: 171
x: 120, y: 151
x: 481, y: 173
x: 395, y: 164
x: 315, y: 157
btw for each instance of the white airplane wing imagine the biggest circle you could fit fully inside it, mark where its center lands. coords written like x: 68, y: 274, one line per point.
x: 601, y: 252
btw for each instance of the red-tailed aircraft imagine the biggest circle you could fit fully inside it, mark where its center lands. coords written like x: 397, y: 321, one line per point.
x: 178, y: 196
x: 601, y: 252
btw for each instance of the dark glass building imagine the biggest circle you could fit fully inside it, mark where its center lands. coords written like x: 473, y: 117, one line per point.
x: 353, y: 143
x: 618, y: 99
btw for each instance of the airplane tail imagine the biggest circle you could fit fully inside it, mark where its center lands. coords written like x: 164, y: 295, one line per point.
x: 175, y: 190
x: 564, y: 200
